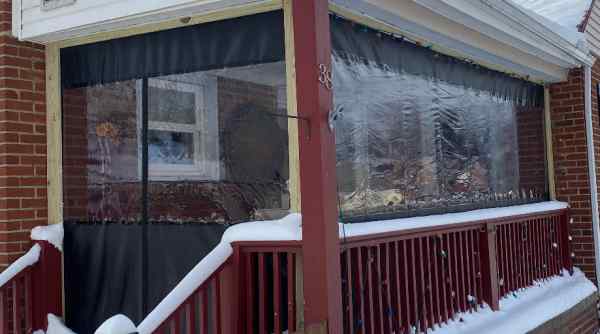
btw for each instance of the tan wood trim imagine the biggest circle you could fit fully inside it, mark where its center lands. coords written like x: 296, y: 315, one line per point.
x: 290, y: 70
x: 218, y: 15
x: 54, y: 134
x: 549, y: 146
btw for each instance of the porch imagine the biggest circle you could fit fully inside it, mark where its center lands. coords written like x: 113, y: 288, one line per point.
x: 298, y: 166
x: 396, y: 278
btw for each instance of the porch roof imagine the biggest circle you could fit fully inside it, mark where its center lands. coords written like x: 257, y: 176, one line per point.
x: 495, y: 33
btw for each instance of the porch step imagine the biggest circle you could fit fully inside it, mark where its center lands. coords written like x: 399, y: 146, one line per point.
x: 580, y: 319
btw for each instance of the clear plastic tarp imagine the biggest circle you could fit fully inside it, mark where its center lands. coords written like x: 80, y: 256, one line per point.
x: 415, y: 144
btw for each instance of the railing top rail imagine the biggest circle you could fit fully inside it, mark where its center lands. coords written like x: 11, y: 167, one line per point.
x: 20, y: 266
x: 408, y: 233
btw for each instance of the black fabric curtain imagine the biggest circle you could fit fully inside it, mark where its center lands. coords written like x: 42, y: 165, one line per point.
x: 354, y: 42
x: 236, y: 42
x: 126, y: 267
x: 104, y: 274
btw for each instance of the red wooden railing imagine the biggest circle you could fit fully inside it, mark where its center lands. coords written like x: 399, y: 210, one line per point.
x: 252, y: 292
x: 412, y: 279
x: 201, y: 312
x: 34, y: 292
x: 395, y: 282
x: 269, y: 286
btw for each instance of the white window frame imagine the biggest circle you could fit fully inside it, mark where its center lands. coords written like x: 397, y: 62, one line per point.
x: 206, y: 126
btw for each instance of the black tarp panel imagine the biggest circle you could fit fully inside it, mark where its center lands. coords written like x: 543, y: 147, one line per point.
x: 104, y: 272
x: 242, y: 41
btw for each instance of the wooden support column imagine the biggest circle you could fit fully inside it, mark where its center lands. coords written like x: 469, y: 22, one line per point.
x: 489, y: 266
x: 321, y: 257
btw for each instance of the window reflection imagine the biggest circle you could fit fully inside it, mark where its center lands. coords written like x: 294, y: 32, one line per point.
x: 217, y: 151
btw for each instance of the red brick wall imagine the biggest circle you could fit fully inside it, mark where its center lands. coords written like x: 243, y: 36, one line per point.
x: 22, y: 140
x: 570, y: 154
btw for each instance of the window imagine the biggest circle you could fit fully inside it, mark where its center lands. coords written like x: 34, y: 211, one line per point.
x: 182, y: 136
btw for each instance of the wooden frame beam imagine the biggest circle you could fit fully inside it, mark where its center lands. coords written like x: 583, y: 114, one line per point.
x: 320, y: 235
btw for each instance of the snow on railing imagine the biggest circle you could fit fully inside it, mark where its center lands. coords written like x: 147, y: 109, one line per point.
x: 399, y: 278
x: 30, y: 288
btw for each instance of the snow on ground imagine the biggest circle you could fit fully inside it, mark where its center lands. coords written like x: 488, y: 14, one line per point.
x: 30, y: 258
x: 54, y: 234
x: 526, y: 309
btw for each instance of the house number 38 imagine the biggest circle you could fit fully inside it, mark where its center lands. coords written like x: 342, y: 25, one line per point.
x: 325, y: 77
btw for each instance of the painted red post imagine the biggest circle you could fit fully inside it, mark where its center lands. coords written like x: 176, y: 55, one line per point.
x: 489, y: 267
x: 320, y: 245
x: 565, y: 234
x: 47, y: 285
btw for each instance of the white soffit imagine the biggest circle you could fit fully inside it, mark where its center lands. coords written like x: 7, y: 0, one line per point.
x: 451, y: 34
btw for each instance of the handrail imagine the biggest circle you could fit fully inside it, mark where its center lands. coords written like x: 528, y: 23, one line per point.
x: 20, y: 265
x: 30, y: 289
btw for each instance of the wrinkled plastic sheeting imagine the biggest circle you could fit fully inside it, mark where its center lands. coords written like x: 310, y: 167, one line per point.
x: 410, y: 144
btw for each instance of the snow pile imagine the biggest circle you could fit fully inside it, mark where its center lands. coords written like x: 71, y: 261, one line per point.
x: 287, y: 228
x: 54, y: 234
x: 30, y: 258
x: 119, y: 324
x: 55, y: 326
x: 392, y: 225
x: 526, y: 309
x: 566, y: 13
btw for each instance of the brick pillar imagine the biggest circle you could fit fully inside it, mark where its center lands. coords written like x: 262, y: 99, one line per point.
x: 570, y: 160
x: 23, y: 202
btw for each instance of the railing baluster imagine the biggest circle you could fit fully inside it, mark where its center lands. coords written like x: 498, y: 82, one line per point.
x: 361, y: 290
x: 397, y: 291
x: 444, y: 280
x: 291, y: 291
x: 28, y: 301
x: 276, y: 294
x: 428, y: 282
x: 379, y: 290
x: 16, y: 298
x: 3, y: 312
x: 467, y: 267
x: 422, y: 287
x: 370, y: 288
x: 347, y: 295
x: 413, y: 283
x: 433, y: 255
x: 190, y: 312
x: 389, y: 313
x: 204, y: 313
x: 249, y: 315
x: 565, y: 229
x: 217, y: 304
x: 262, y: 298
x: 473, y: 254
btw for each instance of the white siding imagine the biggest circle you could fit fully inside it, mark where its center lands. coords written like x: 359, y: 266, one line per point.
x: 592, y: 30
x: 45, y: 25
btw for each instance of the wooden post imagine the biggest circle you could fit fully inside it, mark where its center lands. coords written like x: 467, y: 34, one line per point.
x: 489, y: 266
x: 320, y: 244
x: 565, y: 233
x: 47, y: 285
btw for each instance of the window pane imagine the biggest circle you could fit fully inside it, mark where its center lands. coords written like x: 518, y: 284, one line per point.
x: 100, y: 157
x: 171, y: 103
x: 233, y: 164
x: 169, y: 147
